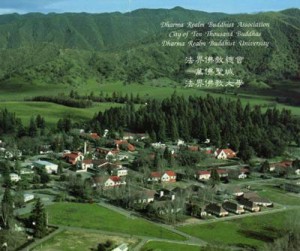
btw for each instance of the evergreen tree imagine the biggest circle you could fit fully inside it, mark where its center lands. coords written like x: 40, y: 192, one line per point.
x: 214, y: 177
x: 174, y: 130
x: 32, y: 130
x: 40, y: 122
x: 245, y: 151
x: 39, y: 219
x: 265, y: 167
x: 7, y: 209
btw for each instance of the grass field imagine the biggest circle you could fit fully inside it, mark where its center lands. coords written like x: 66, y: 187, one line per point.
x: 279, y: 196
x: 13, y: 99
x: 97, y: 217
x: 80, y: 241
x: 165, y: 246
x: 246, y: 232
x: 52, y: 112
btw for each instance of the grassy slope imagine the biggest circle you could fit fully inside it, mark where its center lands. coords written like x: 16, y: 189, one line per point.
x: 249, y: 231
x: 97, y: 217
x: 52, y: 112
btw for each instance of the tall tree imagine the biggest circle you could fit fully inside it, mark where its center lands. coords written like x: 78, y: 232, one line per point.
x: 214, y: 177
x: 39, y: 219
x: 7, y: 209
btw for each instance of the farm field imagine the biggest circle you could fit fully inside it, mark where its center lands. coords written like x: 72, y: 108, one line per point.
x: 250, y: 231
x: 96, y: 217
x: 80, y: 241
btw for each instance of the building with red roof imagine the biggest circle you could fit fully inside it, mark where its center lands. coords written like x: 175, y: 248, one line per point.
x: 167, y: 176
x: 74, y: 157
x: 225, y: 154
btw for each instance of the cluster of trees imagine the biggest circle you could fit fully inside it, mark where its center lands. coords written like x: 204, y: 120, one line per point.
x: 86, y: 101
x: 37, y: 220
x: 10, y: 124
x: 116, y: 97
x: 64, y: 100
x: 226, y: 123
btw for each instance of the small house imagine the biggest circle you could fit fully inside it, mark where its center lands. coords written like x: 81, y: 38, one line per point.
x: 119, y: 172
x: 143, y: 196
x: 154, y: 177
x: 225, y: 154
x: 73, y: 157
x: 14, y: 177
x: 86, y: 163
x: 233, y: 207
x: 216, y: 209
x: 113, y: 181
x: 255, y: 198
x: 168, y: 176
x: 249, y: 205
x: 28, y: 197
x: 203, y: 175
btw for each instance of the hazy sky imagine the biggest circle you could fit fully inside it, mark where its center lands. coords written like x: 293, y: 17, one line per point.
x: 99, y: 6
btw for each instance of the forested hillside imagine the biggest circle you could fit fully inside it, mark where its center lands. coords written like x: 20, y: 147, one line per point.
x: 73, y: 48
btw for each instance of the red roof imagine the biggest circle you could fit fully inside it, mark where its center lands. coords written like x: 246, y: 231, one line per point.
x: 170, y: 173
x: 155, y: 175
x: 94, y: 136
x: 205, y: 172
x: 193, y: 148
x: 221, y: 171
x: 230, y: 153
x: 115, y: 178
x: 284, y: 164
x: 131, y: 148
x: 87, y: 161
x: 120, y: 141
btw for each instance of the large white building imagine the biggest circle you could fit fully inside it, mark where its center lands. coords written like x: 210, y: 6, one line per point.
x: 48, y: 166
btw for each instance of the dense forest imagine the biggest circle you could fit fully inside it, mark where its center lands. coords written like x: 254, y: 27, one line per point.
x: 225, y: 122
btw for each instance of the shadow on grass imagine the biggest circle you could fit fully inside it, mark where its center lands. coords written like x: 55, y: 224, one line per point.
x: 262, y: 236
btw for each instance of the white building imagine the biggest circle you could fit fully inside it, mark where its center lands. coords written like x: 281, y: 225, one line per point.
x: 28, y: 197
x: 48, y: 166
x: 14, y: 177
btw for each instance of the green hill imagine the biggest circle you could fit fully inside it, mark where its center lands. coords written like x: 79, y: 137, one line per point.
x: 75, y: 48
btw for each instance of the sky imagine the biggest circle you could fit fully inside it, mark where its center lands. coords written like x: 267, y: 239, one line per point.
x: 100, y: 6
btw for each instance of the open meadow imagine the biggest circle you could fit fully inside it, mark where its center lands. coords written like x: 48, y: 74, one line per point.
x: 252, y: 231
x: 93, y: 216
x: 13, y: 99
x: 80, y: 241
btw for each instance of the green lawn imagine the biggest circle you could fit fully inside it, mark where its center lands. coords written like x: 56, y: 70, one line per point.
x: 279, y: 196
x: 165, y: 246
x: 80, y: 241
x: 249, y: 231
x: 52, y: 112
x: 97, y: 217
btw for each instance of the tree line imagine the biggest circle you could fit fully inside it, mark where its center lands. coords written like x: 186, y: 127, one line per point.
x: 226, y: 123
